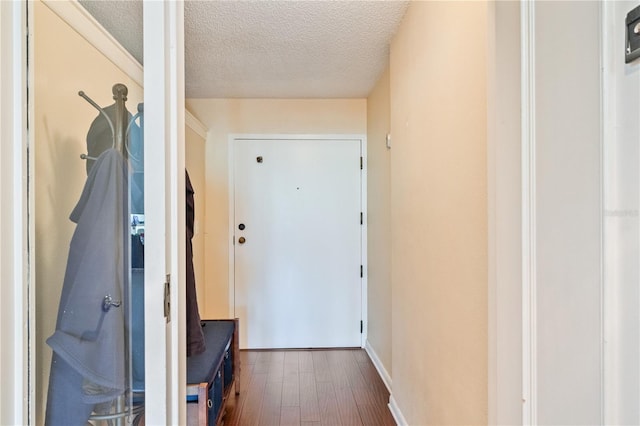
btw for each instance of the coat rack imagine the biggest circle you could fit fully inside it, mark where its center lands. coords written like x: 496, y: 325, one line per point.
x: 119, y: 131
x: 126, y: 409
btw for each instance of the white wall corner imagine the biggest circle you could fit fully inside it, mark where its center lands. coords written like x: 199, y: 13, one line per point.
x: 396, y: 413
x: 384, y: 374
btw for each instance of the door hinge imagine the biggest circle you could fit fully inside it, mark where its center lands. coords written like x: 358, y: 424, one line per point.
x: 361, y: 218
x: 167, y: 298
x: 361, y: 326
x: 361, y: 271
x: 361, y: 163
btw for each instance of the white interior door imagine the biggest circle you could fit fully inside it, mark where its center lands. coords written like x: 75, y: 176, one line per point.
x: 298, y: 243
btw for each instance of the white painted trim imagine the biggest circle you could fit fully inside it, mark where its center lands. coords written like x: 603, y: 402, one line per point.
x: 608, y: 56
x: 231, y: 228
x: 16, y: 387
x: 164, y: 173
x: 155, y: 224
x: 33, y: 348
x: 176, y: 346
x: 194, y: 124
x: 396, y: 413
x: 603, y: 39
x: 529, y: 284
x: 384, y: 375
x: 363, y: 200
x: 363, y: 240
x: 91, y: 30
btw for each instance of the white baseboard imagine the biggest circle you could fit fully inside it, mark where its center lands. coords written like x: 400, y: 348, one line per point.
x: 396, y: 413
x: 386, y: 378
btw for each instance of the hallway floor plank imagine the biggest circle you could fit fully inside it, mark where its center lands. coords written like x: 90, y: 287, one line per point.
x: 329, y: 387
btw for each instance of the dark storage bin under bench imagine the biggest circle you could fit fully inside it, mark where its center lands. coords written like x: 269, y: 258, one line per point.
x: 212, y: 375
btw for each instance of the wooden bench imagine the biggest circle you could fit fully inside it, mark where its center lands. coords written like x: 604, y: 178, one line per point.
x: 212, y: 375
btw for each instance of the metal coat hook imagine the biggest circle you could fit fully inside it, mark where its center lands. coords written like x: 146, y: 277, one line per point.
x: 102, y: 111
x: 119, y: 131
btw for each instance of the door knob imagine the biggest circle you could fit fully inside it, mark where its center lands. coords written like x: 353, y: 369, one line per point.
x: 241, y: 240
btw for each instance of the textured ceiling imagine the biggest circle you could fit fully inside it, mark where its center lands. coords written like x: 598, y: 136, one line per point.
x: 272, y: 48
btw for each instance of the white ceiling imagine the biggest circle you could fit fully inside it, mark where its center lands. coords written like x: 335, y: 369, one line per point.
x: 272, y: 48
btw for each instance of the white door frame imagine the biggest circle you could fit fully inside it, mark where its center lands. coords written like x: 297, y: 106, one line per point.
x: 363, y: 202
x: 16, y: 388
x: 529, y: 308
x: 528, y: 203
x: 164, y: 180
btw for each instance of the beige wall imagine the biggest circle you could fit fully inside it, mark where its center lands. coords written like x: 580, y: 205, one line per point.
x: 379, y: 223
x: 257, y: 116
x: 64, y: 64
x: 194, y: 162
x: 439, y: 213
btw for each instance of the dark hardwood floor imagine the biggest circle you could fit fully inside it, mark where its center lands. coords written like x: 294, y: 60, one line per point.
x: 309, y: 387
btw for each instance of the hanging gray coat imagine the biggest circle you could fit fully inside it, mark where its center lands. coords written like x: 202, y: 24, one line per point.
x: 90, y: 332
